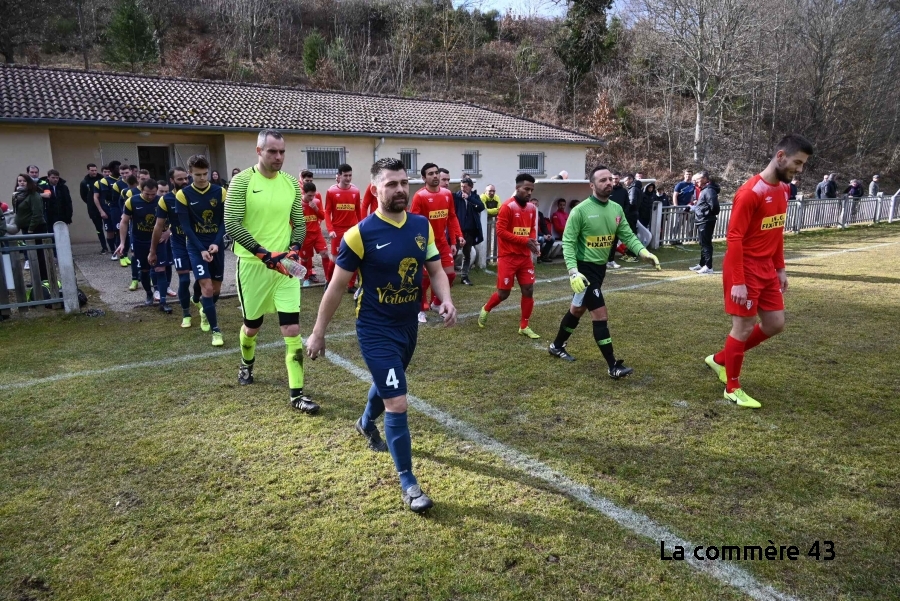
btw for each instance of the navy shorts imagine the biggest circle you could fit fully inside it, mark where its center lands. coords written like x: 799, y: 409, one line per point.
x: 163, y: 254
x: 214, y: 270
x: 113, y: 217
x: 180, y: 257
x: 140, y: 250
x: 387, y: 351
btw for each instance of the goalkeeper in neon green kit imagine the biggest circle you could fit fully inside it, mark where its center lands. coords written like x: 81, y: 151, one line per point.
x: 589, y: 234
x: 264, y: 216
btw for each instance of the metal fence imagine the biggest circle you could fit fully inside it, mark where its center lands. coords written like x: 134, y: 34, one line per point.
x: 670, y: 225
x: 50, y: 279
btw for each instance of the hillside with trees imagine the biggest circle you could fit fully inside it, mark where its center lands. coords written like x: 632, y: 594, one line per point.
x: 668, y: 83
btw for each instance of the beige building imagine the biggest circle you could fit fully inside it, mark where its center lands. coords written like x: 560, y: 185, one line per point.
x: 65, y: 119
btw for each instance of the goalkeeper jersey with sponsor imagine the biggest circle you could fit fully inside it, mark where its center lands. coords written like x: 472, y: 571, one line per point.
x: 756, y: 228
x: 262, y: 211
x: 590, y: 230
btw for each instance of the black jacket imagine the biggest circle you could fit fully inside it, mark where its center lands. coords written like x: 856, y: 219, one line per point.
x: 619, y: 196
x: 646, y: 210
x: 635, y: 196
x: 830, y: 189
x: 86, y: 189
x: 707, y: 208
x: 59, y: 205
x: 467, y: 212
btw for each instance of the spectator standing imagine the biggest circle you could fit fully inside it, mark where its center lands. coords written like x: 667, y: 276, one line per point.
x: 646, y: 209
x: 216, y: 179
x: 831, y: 186
x: 620, y: 197
x: 86, y: 190
x: 684, y: 196
x: 29, y: 207
x: 873, y: 186
x: 795, y: 187
x: 632, y: 209
x: 468, y: 207
x: 706, y: 211
x: 820, y: 187
x: 492, y: 206
x: 544, y: 237
x: 558, y: 218
x: 59, y: 205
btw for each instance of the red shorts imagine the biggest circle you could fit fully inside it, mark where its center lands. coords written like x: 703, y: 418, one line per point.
x: 336, y: 242
x: 763, y: 290
x: 446, y: 255
x: 312, y: 245
x: 514, y: 268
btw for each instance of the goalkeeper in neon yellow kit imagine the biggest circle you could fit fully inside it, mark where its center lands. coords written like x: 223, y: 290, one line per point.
x: 590, y: 230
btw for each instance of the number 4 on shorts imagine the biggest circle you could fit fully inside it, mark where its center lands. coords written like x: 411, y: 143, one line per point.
x: 392, y: 379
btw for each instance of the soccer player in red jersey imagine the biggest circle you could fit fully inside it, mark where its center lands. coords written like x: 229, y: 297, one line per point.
x: 753, y: 274
x: 307, y: 177
x: 369, y: 202
x: 516, y: 241
x: 437, y: 205
x: 314, y: 243
x: 342, y: 211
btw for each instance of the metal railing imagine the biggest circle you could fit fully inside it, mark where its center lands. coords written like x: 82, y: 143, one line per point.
x: 46, y: 276
x: 676, y: 224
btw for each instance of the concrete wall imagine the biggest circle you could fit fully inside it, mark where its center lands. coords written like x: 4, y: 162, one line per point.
x: 20, y: 147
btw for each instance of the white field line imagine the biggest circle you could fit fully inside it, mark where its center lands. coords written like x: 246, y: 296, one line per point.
x: 278, y: 343
x: 726, y: 573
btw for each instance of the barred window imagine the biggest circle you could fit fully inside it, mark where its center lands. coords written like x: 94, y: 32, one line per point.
x: 325, y: 160
x: 410, y: 158
x: 531, y: 162
x: 470, y: 163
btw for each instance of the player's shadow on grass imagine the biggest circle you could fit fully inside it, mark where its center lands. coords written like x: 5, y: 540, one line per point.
x: 485, y: 469
x: 865, y: 279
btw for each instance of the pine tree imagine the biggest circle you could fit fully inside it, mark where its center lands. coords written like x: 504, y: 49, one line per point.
x: 129, y: 38
x: 313, y: 52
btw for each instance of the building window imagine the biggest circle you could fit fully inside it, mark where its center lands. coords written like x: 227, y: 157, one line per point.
x: 470, y: 163
x: 409, y: 157
x: 531, y: 162
x: 325, y: 160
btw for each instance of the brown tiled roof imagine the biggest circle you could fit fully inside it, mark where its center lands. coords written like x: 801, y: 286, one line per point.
x: 48, y: 95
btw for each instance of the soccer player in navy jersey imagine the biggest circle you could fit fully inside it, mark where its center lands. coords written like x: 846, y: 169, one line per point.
x: 169, y: 228
x: 388, y: 248
x: 140, y: 210
x: 201, y: 213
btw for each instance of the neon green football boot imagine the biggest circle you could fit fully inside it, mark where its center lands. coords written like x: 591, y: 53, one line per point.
x: 742, y: 399
x: 482, y: 318
x: 719, y: 369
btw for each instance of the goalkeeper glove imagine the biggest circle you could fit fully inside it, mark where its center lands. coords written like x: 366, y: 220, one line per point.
x: 272, y: 260
x: 294, y: 253
x: 578, y: 282
x: 649, y: 257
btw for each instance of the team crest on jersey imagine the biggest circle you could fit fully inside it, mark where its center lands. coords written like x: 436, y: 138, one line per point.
x: 420, y: 241
x: 618, y: 219
x: 408, y: 291
x: 212, y: 202
x: 207, y: 217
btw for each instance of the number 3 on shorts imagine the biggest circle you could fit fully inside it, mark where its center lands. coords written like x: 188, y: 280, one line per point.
x: 392, y: 379
x: 199, y: 269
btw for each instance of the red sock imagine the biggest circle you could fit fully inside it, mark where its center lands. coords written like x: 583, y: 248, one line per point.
x: 734, y: 358
x: 426, y: 284
x: 493, y: 302
x: 327, y: 265
x: 329, y: 270
x: 451, y: 277
x: 720, y: 357
x: 307, y: 262
x: 527, y: 307
x: 757, y: 336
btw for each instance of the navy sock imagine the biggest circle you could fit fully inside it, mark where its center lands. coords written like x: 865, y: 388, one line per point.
x: 145, y: 282
x: 184, y: 293
x: 102, y: 237
x: 168, y: 273
x: 396, y: 434
x: 134, y: 267
x: 196, y: 297
x: 162, y: 284
x: 153, y: 279
x: 374, y: 409
x: 209, y: 308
